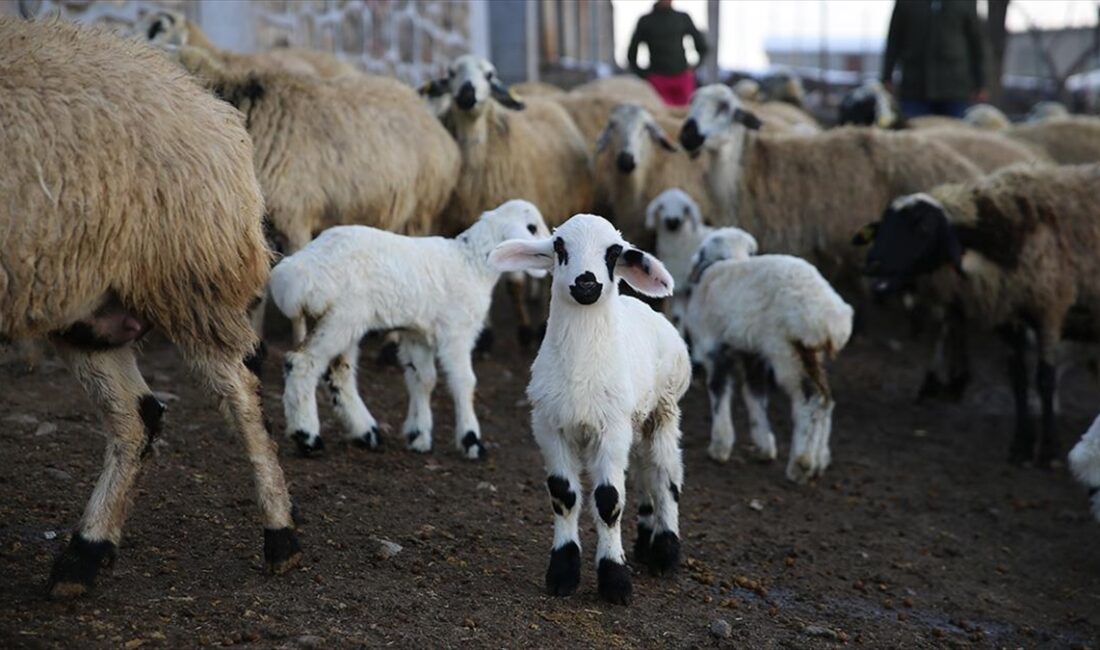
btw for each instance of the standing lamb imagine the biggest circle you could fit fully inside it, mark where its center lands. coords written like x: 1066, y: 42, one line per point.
x: 1084, y: 462
x: 805, y: 196
x: 436, y: 291
x: 755, y: 316
x: 608, y: 378
x: 1013, y: 251
x: 130, y: 202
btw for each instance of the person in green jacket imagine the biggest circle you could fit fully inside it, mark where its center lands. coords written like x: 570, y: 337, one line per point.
x: 938, y: 46
x: 663, y: 30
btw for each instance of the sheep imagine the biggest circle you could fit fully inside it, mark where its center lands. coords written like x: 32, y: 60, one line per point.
x: 804, y: 196
x: 780, y: 116
x: 172, y: 29
x: 130, y: 203
x: 608, y: 378
x: 1084, y: 462
x: 986, y: 116
x: 536, y: 89
x: 748, y: 90
x: 1048, y: 111
x: 1015, y: 250
x: 624, y: 88
x: 636, y: 160
x: 1070, y: 141
x: 870, y: 104
x: 772, y: 314
x: 784, y: 86
x: 436, y: 291
x: 988, y: 151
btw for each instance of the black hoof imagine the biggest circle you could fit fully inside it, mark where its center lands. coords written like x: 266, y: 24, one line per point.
x: 564, y: 573
x: 255, y: 361
x: 75, y: 570
x: 642, y: 544
x: 664, y: 554
x: 613, y: 582
x: 411, y: 436
x: 369, y: 440
x: 473, y: 447
x: 484, y: 344
x: 308, y: 445
x: 281, y: 550
x: 387, y: 355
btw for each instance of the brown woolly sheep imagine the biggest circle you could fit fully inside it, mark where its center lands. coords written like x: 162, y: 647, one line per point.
x: 525, y: 89
x: 989, y: 151
x: 625, y: 88
x: 1070, y: 141
x: 805, y: 196
x: 1015, y: 250
x: 171, y: 28
x: 130, y: 203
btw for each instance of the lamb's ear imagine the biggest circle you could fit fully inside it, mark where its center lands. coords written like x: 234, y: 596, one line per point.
x: 523, y: 255
x: 652, y: 214
x: 660, y: 137
x: 866, y: 235
x: 435, y: 88
x: 505, y: 97
x: 603, y: 139
x: 699, y: 264
x: 644, y: 273
x: 748, y: 118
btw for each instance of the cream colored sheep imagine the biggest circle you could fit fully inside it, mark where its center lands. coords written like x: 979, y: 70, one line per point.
x: 525, y: 89
x: 130, y: 202
x: 988, y: 150
x: 1070, y: 141
x: 986, y: 116
x: 625, y: 88
x: 171, y: 28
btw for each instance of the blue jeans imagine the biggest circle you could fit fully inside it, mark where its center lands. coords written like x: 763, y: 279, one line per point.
x: 917, y: 108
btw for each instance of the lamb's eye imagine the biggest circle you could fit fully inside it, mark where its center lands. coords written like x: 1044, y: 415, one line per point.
x: 531, y: 228
x: 489, y: 75
x: 723, y: 107
x: 559, y: 248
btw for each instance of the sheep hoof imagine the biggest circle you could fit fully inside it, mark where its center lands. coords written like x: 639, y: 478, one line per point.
x: 564, y: 573
x: 472, y: 447
x: 800, y: 471
x: 308, y: 445
x: 664, y: 554
x: 1094, y: 501
x: 369, y: 440
x: 281, y: 550
x: 75, y: 569
x: 643, y: 544
x: 418, y: 442
x: 613, y: 582
x: 763, y: 455
x: 719, y: 453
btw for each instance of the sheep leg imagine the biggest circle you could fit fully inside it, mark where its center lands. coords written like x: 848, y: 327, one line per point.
x: 1023, y: 440
x: 1047, y: 383
x: 133, y: 416
x: 238, y: 392
x: 563, y: 483
x: 419, y: 363
x: 607, y: 469
x: 455, y: 357
x: 664, y: 475
x: 304, y: 368
x: 800, y: 376
x: 343, y: 389
x: 719, y: 369
x: 641, y: 462
x: 752, y: 371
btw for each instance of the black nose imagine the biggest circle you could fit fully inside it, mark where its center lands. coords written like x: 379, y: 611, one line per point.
x: 585, y: 289
x: 625, y: 162
x: 673, y: 224
x: 689, y: 135
x: 466, y: 97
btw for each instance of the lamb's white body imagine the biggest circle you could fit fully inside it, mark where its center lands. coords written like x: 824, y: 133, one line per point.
x: 608, y: 378
x: 437, y: 291
x: 769, y: 312
x: 680, y: 230
x: 1084, y: 462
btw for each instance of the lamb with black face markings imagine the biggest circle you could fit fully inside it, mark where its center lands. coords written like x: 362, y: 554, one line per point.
x: 607, y: 382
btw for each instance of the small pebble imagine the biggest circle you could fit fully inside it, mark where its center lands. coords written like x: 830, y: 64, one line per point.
x: 720, y: 628
x: 388, y: 549
x: 756, y: 505
x: 45, y: 429
x: 59, y: 474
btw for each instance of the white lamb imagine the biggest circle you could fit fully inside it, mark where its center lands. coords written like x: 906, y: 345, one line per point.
x: 436, y: 291
x: 1084, y: 462
x: 680, y: 229
x: 608, y: 378
x: 750, y: 315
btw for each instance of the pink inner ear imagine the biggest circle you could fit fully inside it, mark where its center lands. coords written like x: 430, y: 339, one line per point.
x: 519, y: 255
x: 645, y: 273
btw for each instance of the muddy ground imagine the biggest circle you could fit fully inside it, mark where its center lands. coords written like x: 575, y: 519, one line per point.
x: 920, y: 534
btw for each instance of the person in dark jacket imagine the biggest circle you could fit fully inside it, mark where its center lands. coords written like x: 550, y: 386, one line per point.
x: 663, y: 30
x: 938, y: 46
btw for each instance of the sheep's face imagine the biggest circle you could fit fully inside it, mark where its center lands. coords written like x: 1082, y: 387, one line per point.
x: 868, y: 105
x: 715, y: 114
x: 912, y: 238
x: 629, y: 133
x: 722, y: 244
x: 587, y: 257
x: 472, y: 82
x: 673, y: 211
x: 163, y: 28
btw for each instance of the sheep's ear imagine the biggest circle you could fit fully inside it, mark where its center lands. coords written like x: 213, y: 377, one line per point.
x: 523, y: 255
x: 699, y: 264
x: 505, y: 97
x: 747, y: 118
x: 644, y: 273
x: 660, y: 137
x: 603, y: 139
x: 435, y: 88
x: 652, y: 214
x: 866, y: 235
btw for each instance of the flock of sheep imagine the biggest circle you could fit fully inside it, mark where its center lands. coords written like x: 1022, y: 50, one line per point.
x: 154, y: 187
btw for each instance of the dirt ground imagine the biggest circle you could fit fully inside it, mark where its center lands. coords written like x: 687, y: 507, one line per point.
x: 920, y: 534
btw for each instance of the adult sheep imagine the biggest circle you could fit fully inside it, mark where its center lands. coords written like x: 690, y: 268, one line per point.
x: 171, y: 28
x: 130, y: 202
x: 805, y: 196
x: 1072, y: 140
x: 988, y: 150
x: 1013, y: 251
